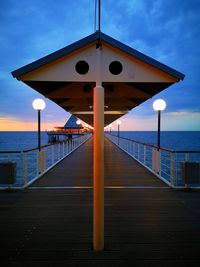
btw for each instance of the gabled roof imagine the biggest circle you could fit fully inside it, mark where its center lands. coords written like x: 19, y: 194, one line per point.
x: 71, y: 123
x: 91, y: 39
x: 142, y: 77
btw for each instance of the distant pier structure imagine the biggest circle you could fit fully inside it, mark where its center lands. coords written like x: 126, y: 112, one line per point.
x: 72, y: 127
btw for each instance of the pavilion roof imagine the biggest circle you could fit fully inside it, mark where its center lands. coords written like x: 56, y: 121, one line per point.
x: 55, y: 77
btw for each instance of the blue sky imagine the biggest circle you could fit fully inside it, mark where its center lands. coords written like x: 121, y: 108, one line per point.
x: 168, y: 31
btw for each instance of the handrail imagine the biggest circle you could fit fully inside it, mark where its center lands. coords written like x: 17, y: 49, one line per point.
x: 30, y: 166
x: 154, y: 146
x: 142, y: 143
x: 166, y: 164
x: 187, y: 151
x: 27, y: 150
x: 35, y: 148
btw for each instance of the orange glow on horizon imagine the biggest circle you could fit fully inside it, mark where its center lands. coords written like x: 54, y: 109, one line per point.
x: 12, y: 124
x: 170, y: 122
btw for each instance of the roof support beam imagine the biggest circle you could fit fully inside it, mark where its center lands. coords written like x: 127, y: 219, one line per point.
x: 98, y: 175
x: 139, y: 91
x: 98, y: 158
x: 60, y: 91
x: 105, y: 112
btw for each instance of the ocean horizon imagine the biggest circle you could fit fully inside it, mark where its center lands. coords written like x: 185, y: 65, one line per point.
x: 176, y: 140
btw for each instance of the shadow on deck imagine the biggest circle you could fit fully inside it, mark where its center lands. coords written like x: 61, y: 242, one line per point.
x: 151, y: 226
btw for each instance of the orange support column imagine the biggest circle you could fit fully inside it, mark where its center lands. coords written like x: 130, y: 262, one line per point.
x: 98, y: 156
x: 98, y: 194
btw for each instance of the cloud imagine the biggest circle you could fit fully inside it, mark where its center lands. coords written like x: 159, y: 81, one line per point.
x: 15, y: 124
x: 165, y: 30
x: 170, y: 121
x: 184, y: 113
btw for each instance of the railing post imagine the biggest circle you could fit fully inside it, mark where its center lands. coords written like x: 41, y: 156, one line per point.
x: 144, y: 154
x: 134, y: 149
x: 172, y: 168
x: 41, y: 161
x: 131, y: 147
x: 160, y: 162
x: 52, y: 154
x: 65, y: 143
x: 156, y: 161
x: 24, y: 169
x: 63, y: 149
x: 58, y: 151
x: 68, y: 146
x: 186, y: 156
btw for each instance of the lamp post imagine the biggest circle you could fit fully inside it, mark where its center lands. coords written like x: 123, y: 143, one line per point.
x: 111, y: 127
x: 39, y: 104
x: 78, y: 122
x: 118, y: 127
x: 159, y: 105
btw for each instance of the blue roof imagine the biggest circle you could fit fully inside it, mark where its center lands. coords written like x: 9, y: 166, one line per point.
x: 71, y: 123
x: 91, y: 39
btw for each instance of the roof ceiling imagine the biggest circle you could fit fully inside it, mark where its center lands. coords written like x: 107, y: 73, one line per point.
x: 77, y: 97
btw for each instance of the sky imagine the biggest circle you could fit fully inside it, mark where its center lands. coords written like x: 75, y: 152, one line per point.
x: 168, y: 31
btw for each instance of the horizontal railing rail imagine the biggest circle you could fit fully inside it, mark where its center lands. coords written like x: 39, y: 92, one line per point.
x: 30, y: 164
x: 177, y: 168
x: 35, y: 148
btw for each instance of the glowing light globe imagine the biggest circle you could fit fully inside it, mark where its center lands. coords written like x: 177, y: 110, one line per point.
x: 38, y: 104
x: 159, y: 105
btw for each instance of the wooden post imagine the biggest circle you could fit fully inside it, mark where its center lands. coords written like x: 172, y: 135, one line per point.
x: 98, y: 157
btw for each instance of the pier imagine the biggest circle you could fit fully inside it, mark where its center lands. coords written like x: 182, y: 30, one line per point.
x: 147, y: 223
x: 99, y: 79
x: 72, y: 127
x: 54, y: 136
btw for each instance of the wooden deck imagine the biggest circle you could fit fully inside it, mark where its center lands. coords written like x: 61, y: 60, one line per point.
x: 150, y: 226
x: 120, y: 170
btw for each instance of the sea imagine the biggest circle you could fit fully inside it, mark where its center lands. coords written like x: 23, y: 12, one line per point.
x: 175, y: 140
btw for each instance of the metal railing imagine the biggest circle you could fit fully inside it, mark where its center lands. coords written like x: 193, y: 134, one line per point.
x: 168, y: 165
x: 31, y: 164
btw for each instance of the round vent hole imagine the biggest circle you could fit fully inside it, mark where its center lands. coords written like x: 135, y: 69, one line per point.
x: 115, y: 67
x: 82, y: 67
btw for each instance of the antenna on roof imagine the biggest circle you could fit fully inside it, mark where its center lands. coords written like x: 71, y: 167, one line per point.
x: 99, y: 15
x: 98, y: 43
x: 95, y: 15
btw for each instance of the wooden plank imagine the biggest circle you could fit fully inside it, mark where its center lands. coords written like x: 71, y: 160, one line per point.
x: 77, y: 170
x: 56, y: 226
x: 143, y: 227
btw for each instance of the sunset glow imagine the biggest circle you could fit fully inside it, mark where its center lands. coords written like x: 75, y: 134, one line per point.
x: 29, y: 32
